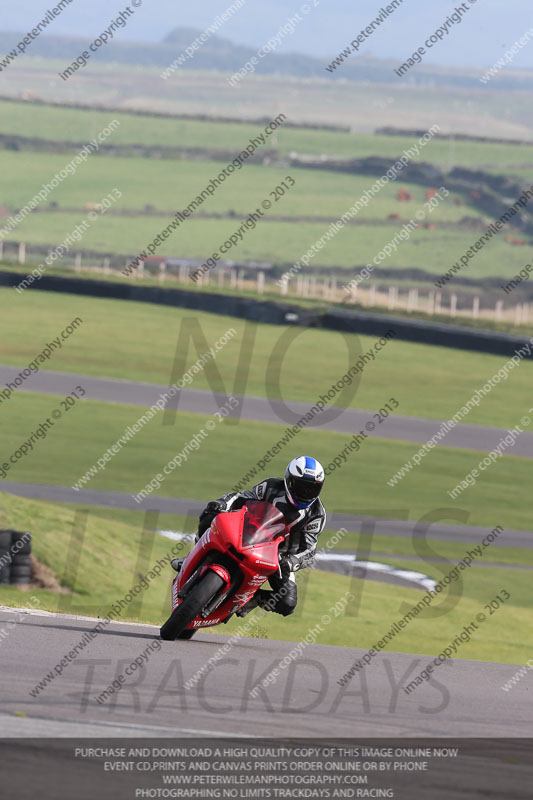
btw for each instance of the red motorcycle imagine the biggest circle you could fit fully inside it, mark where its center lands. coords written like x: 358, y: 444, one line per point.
x: 225, y: 569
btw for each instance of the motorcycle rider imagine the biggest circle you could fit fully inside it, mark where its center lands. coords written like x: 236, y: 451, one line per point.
x: 296, y: 496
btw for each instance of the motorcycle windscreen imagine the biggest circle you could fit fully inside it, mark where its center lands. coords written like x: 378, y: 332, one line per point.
x: 262, y: 523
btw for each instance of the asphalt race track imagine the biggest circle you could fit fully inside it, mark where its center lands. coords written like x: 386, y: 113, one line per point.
x: 261, y: 409
x: 468, y: 534
x: 463, y: 699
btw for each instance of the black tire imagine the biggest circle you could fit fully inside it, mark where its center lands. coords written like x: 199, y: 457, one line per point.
x: 21, y: 561
x: 188, y: 633
x: 25, y: 548
x: 20, y: 572
x: 5, y: 540
x: 196, y: 600
x: 5, y: 575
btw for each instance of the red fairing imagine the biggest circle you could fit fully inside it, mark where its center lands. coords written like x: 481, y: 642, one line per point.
x: 222, y: 571
x: 250, y: 538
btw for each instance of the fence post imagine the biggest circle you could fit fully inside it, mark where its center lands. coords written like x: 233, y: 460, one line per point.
x: 22, y: 252
x: 106, y: 266
x: 412, y: 300
x: 77, y: 263
x: 260, y: 282
x: 162, y: 271
x: 498, y: 310
x: 431, y: 303
x: 453, y: 305
x: 475, y: 307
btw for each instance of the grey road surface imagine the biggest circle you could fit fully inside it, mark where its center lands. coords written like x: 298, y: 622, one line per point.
x: 262, y: 409
x: 464, y: 698
x: 467, y: 534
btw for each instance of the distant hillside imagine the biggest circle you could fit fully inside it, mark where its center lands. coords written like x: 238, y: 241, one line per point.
x: 220, y: 54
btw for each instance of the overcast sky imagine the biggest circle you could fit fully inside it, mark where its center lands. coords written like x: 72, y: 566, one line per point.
x: 488, y: 29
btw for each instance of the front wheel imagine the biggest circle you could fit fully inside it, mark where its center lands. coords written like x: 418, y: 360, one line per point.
x: 192, y: 605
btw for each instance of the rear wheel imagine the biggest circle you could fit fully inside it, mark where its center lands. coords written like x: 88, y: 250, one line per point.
x: 192, y: 605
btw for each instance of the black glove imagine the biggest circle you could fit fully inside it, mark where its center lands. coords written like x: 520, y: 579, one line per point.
x: 287, y: 564
x: 213, y: 507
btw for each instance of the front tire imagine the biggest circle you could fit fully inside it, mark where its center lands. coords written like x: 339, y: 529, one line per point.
x: 192, y: 605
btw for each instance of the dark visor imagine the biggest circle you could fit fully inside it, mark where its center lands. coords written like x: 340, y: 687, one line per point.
x: 305, y: 490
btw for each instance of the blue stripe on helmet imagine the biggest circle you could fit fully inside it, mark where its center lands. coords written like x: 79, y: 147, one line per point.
x: 310, y: 463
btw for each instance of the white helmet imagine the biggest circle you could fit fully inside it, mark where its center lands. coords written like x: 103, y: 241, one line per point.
x: 304, y: 479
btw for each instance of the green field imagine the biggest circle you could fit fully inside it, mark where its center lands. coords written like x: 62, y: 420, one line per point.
x: 76, y: 125
x: 169, y: 185
x: 398, y: 551
x: 229, y: 451
x: 434, y: 251
x: 139, y: 341
x: 166, y: 185
x: 145, y: 338
x: 111, y: 562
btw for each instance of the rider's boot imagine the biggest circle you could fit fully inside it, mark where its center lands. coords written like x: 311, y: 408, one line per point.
x: 259, y: 599
x: 177, y: 563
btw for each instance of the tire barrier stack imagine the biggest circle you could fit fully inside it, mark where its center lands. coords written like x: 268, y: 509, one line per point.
x: 15, y: 557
